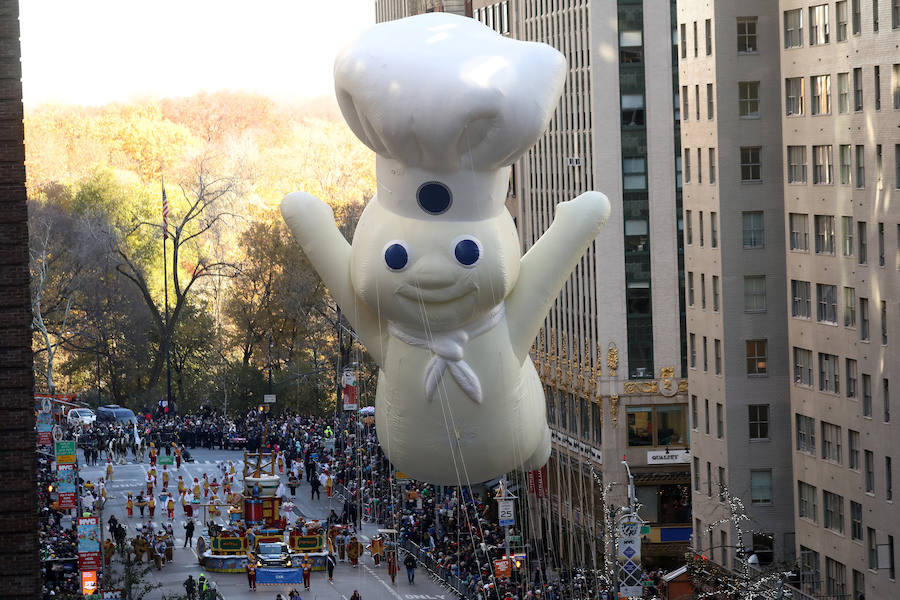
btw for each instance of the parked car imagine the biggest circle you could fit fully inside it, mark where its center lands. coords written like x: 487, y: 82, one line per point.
x: 115, y: 413
x: 81, y: 416
x: 272, y: 554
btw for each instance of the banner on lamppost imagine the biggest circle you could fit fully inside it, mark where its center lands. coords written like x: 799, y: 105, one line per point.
x: 348, y: 390
x: 65, y: 452
x: 66, y: 487
x: 628, y: 557
x: 45, y: 424
x: 537, y: 482
x: 88, y: 543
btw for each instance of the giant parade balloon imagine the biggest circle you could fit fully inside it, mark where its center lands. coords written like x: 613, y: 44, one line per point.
x: 434, y: 282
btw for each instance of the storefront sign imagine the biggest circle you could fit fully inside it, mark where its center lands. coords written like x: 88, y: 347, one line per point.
x: 88, y: 543
x: 668, y: 457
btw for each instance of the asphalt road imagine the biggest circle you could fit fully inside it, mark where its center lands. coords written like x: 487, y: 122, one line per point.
x: 372, y: 582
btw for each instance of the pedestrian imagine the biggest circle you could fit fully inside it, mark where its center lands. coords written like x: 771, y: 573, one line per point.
x: 410, y: 563
x: 307, y: 570
x: 190, y: 587
x: 355, y: 596
x: 151, y: 505
x: 140, y: 504
x: 330, y: 561
x: 341, y: 543
x: 392, y: 566
x: 189, y: 533
x: 251, y: 574
x: 314, y: 493
x: 293, y: 594
x: 292, y: 483
x: 201, y: 586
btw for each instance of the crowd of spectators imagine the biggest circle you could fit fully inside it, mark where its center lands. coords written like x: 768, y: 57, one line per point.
x: 57, y: 532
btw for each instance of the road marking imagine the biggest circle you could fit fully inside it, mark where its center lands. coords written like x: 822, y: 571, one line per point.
x: 382, y: 582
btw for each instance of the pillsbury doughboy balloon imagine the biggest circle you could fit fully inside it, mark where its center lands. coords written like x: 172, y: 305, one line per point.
x: 434, y: 282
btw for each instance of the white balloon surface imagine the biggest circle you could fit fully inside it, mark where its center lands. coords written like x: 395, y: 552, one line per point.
x: 434, y: 282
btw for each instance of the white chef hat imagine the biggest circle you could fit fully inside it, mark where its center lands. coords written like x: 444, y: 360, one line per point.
x: 443, y: 99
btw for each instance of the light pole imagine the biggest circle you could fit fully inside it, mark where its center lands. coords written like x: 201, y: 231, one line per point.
x: 271, y: 345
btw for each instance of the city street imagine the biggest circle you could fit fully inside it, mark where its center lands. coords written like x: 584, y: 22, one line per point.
x: 373, y: 583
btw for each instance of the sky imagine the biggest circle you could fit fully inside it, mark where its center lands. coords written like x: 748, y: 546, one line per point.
x: 94, y: 52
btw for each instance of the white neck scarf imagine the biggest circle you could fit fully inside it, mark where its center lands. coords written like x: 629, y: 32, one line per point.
x: 448, y: 348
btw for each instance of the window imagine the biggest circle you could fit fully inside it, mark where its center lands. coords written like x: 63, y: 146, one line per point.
x: 846, y: 236
x: 632, y: 110
x: 859, y: 584
x: 853, y: 449
x: 877, y: 85
x: 746, y: 34
x: 750, y: 164
x: 710, y: 99
x: 818, y: 25
x: 700, y: 166
x: 695, y: 413
x: 834, y: 511
x: 829, y: 373
x: 822, y: 164
x: 755, y: 293
x: 860, y: 166
x: 864, y: 319
x: 793, y: 94
x: 708, y: 37
x: 884, y: 335
x: 715, y: 292
x: 687, y: 165
x: 831, y: 442
x: 597, y: 423
x: 803, y: 366
x: 895, y: 14
x: 712, y: 171
x: 717, y: 355
x: 888, y: 479
x: 696, y: 53
x: 826, y: 303
x: 856, y: 521
x: 683, y: 39
x: 895, y: 85
x: 761, y: 486
x: 835, y: 577
x: 722, y: 484
x: 793, y: 28
x: 840, y: 11
x: 709, y: 482
x: 843, y: 82
x: 764, y: 547
x: 844, y: 151
x: 800, y: 302
x: 748, y: 99
x: 759, y: 421
x: 697, y: 101
x: 720, y: 421
x: 851, y: 377
x: 810, y: 575
x: 688, y: 227
x: 857, y: 89
x: 706, y: 415
x: 685, y: 109
x: 799, y: 232
x: 693, y: 350
x: 713, y: 225
x: 756, y: 357
x: 690, y: 288
x: 705, y: 355
x: 634, y: 173
x: 796, y: 164
x: 663, y: 425
x: 753, y: 228
x: 879, y: 172
x: 886, y: 398
x: 867, y: 395
x: 806, y: 501
x: 703, y: 291
x: 871, y: 547
x: 824, y: 234
x: 631, y: 46
x: 697, y: 477
x: 806, y: 434
x: 870, y: 471
x: 857, y: 15
x: 880, y: 243
x: 861, y: 243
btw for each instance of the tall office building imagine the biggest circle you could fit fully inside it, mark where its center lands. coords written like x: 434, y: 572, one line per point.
x: 612, y: 352
x: 840, y: 82
x: 739, y: 364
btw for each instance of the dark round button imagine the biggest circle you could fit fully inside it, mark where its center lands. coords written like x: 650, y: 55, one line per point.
x: 434, y: 197
x: 467, y: 252
x: 396, y: 257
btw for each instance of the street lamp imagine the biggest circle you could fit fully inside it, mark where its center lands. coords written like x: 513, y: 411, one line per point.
x: 271, y: 345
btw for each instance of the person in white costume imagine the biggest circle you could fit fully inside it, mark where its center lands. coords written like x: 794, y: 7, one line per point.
x: 434, y: 282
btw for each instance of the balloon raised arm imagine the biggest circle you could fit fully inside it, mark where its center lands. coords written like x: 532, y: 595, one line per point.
x: 312, y: 223
x: 549, y: 263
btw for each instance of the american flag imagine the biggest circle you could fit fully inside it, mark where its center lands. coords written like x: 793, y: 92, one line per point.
x: 165, y: 213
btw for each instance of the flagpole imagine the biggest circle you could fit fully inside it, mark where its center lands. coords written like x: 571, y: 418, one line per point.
x: 166, y: 293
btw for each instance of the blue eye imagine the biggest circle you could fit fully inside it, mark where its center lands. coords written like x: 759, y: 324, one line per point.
x: 434, y: 197
x: 467, y: 251
x: 396, y: 256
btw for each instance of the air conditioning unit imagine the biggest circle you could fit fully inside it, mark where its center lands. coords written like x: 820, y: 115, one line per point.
x: 574, y: 161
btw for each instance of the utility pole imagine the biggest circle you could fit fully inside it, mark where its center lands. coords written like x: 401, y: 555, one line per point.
x: 271, y: 345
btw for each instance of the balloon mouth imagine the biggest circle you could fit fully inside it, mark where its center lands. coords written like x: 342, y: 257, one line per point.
x: 444, y: 295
